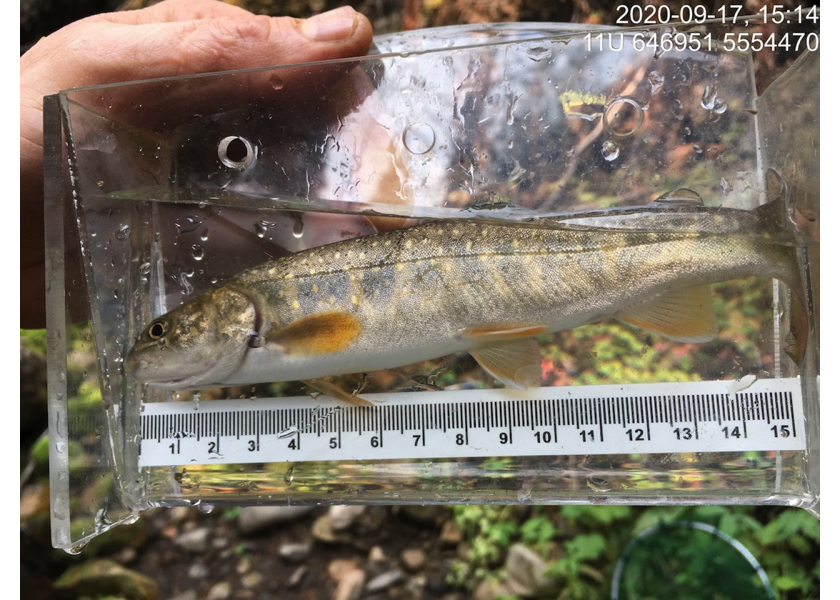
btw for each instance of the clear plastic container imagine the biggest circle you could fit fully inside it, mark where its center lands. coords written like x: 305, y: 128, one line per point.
x: 157, y: 191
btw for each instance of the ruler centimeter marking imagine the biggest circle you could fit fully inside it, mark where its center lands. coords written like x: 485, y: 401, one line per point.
x: 706, y: 416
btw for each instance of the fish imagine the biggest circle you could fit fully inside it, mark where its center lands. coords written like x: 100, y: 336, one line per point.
x: 484, y: 287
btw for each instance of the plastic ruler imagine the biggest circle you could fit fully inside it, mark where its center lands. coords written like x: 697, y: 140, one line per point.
x: 708, y: 416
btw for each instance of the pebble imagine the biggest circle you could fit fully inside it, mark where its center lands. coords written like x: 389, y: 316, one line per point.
x: 297, y: 576
x: 195, y: 540
x: 343, y: 517
x: 220, y: 591
x: 450, y: 534
x: 243, y: 566
x: 198, y: 571
x: 351, y: 586
x: 526, y: 573
x: 415, y: 586
x: 251, y: 580
x: 340, y: 567
x: 255, y: 519
x: 178, y: 514
x: 126, y: 556
x: 376, y: 555
x: 322, y: 531
x: 413, y: 559
x: 294, y: 552
x: 384, y: 581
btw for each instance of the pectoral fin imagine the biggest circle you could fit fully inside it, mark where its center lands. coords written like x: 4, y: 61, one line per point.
x: 324, y: 333
x: 683, y: 315
x: 329, y: 389
x: 517, y: 364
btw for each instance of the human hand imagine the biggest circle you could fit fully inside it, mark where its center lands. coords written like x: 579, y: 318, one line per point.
x: 175, y: 37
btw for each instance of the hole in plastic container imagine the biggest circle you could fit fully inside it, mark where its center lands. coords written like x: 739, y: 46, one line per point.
x: 236, y: 152
x: 623, y: 116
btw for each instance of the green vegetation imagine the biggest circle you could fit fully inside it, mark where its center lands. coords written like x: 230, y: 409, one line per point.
x: 582, y: 546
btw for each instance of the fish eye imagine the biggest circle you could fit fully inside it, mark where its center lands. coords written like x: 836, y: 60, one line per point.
x: 157, y: 329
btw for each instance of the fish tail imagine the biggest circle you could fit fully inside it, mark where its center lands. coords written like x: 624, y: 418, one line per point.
x: 777, y: 223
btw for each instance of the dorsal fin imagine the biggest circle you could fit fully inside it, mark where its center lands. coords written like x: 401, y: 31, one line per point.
x: 680, y: 197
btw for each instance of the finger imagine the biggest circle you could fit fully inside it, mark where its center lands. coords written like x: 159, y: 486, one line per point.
x: 174, y: 10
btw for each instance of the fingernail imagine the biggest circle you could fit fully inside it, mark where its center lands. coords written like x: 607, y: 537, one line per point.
x: 332, y: 26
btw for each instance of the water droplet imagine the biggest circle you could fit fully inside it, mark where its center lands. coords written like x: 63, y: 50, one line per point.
x: 205, y: 235
x: 510, y: 144
x: 538, y: 53
x: 289, y: 476
x: 656, y: 81
x: 287, y: 432
x: 276, y: 81
x: 297, y: 228
x: 123, y: 232
x: 145, y: 268
x: 711, y: 101
x: 623, y: 116
x: 186, y: 286
x: 725, y: 186
x: 204, y: 507
x: 261, y: 227
x: 197, y: 251
x: 511, y: 109
x: 76, y: 549
x: 186, y: 224
x: 419, y: 138
x: 598, y: 484
x: 610, y: 150
x: 697, y: 149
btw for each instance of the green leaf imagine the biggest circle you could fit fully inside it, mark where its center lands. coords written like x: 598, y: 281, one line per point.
x: 787, y: 583
x: 586, y: 546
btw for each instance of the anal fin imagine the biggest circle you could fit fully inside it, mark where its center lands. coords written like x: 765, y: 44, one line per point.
x: 517, y: 364
x: 685, y: 315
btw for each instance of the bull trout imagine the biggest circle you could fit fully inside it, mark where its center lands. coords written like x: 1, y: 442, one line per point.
x: 400, y: 297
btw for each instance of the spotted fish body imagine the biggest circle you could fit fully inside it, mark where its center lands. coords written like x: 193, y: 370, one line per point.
x: 397, y: 298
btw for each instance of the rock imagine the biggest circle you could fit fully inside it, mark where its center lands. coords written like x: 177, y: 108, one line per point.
x: 322, y: 531
x: 424, y: 515
x: 198, y: 571
x: 339, y: 568
x: 384, y: 581
x: 126, y: 556
x: 415, y: 586
x: 294, y: 552
x: 413, y: 559
x: 255, y: 519
x: 188, y: 595
x: 179, y: 513
x: 526, y: 574
x: 376, y: 555
x: 243, y: 566
x: 342, y: 517
x: 220, y: 591
x: 450, y: 534
x: 490, y: 590
x: 103, y: 577
x: 251, y: 580
x: 194, y: 541
x: 297, y: 576
x: 33, y: 499
x: 351, y: 585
